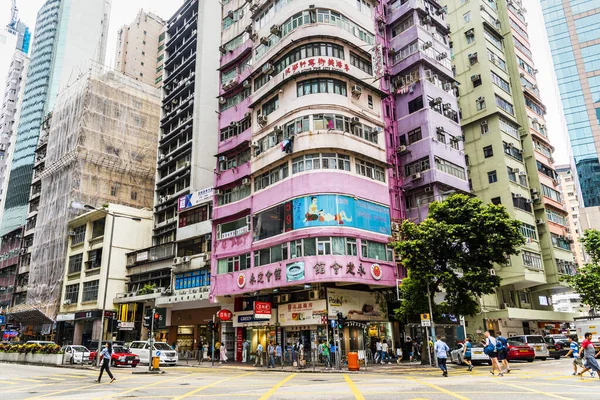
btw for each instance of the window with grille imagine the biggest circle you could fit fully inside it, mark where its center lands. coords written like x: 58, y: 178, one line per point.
x: 90, y: 290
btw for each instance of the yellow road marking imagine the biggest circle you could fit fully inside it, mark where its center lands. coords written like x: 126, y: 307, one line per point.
x: 150, y: 384
x: 8, y: 382
x: 535, y: 391
x: 446, y: 391
x: 29, y: 380
x: 357, y: 394
x: 70, y: 390
x: 210, y: 385
x: 277, y: 386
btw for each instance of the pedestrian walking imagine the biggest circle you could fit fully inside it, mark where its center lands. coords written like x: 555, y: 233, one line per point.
x: 467, y: 354
x: 278, y: 355
x: 502, y: 349
x: 399, y: 353
x: 410, y: 348
x: 106, y: 354
x: 378, y: 348
x: 490, y: 350
x: 245, y: 346
x: 271, y: 355
x: 441, y: 349
x: 218, y: 350
x: 259, y: 351
x: 384, y: 352
x: 588, y: 352
x: 324, y: 346
x: 205, y: 356
x: 223, y: 354
x: 574, y: 352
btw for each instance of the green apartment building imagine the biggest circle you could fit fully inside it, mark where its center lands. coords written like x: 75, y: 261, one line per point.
x: 509, y: 159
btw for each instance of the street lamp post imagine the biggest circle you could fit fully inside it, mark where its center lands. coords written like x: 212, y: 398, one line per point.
x: 79, y: 206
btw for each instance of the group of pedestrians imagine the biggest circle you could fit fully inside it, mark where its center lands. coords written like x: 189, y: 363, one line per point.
x: 584, y: 356
x: 497, y: 349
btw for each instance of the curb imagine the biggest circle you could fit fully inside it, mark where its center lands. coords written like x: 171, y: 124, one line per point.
x: 319, y: 369
x: 153, y: 372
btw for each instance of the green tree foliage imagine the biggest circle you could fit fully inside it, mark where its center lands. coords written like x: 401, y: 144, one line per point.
x: 587, y: 281
x: 454, y: 249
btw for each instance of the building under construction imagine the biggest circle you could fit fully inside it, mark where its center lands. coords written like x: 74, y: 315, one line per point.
x: 100, y: 148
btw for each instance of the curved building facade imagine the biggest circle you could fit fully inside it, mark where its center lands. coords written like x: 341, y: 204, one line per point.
x: 302, y: 183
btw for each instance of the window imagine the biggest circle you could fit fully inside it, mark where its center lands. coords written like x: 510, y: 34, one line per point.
x: 560, y: 241
x: 402, y: 26
x: 370, y: 101
x: 450, y: 168
x: 480, y: 103
x: 415, y: 105
x: 485, y: 128
x: 271, y: 177
x: 194, y: 216
x: 134, y: 196
x: 546, y: 170
x: 493, y: 39
x: 78, y: 235
x: 270, y: 106
x: 306, y: 51
x: 235, y: 129
x: 496, y: 201
x: 75, y: 263
x: 470, y: 38
x: 441, y: 137
x: 551, y: 193
x: 512, y: 175
x: 528, y: 231
x: 505, y: 105
x: 271, y: 255
x: 320, y: 161
x: 476, y: 79
x: 488, y: 151
x: 555, y: 217
x: 508, y: 127
x: 473, y: 58
x: 233, y: 264
x: 271, y: 222
x: 533, y: 261
x: 234, y: 100
x: 192, y: 279
x: 72, y: 293
x: 361, y: 63
x: 535, y: 107
x: 467, y: 17
x: 414, y: 136
x: 521, y: 202
x: 234, y: 194
x: 314, y: 86
x: 376, y: 251
x: 501, y: 83
x: 496, y: 60
x: 94, y: 259
x: 233, y: 228
x: 492, y: 177
x: 114, y: 190
x: 511, y: 150
x: 417, y: 166
x: 90, y: 291
x: 351, y: 249
x: 370, y: 170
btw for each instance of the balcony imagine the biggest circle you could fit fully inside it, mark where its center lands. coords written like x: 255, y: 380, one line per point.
x: 398, y: 10
x: 139, y: 295
x: 151, y: 254
x: 231, y: 175
x: 191, y: 263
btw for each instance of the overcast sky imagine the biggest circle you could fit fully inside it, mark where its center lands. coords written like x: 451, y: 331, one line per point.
x: 124, y: 11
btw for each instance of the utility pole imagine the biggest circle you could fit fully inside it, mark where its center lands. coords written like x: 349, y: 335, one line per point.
x: 212, y: 357
x: 151, y: 340
x: 432, y: 327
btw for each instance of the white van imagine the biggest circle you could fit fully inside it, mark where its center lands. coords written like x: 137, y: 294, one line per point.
x: 168, y: 356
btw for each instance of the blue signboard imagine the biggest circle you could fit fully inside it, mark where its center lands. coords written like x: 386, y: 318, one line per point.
x: 242, y: 319
x: 2, y: 320
x: 338, y: 210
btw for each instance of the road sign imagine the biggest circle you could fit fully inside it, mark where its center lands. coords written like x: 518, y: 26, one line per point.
x: 425, y: 320
x: 157, y: 353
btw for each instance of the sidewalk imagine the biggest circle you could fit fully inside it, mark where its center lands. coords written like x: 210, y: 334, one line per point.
x: 405, y: 367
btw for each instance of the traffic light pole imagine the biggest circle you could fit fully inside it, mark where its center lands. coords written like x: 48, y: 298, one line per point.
x: 151, y: 340
x: 212, y: 357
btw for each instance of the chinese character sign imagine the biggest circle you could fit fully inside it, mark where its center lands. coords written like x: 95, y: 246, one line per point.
x: 377, y: 61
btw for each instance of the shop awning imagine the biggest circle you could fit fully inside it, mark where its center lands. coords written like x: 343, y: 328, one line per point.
x: 28, y: 315
x: 530, y: 315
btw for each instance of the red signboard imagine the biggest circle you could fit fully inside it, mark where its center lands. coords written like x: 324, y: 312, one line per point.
x: 262, y: 310
x: 224, y: 315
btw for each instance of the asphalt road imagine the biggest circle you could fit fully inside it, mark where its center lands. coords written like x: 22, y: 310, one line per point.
x: 531, y: 381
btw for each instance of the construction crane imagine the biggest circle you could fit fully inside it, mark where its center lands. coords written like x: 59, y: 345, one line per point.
x: 14, y: 12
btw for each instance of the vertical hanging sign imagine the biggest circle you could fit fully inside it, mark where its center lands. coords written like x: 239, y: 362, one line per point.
x: 377, y: 61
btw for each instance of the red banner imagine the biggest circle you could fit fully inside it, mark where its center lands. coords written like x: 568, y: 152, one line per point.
x: 262, y: 310
x: 224, y: 315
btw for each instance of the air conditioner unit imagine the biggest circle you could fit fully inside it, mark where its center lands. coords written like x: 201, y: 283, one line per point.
x: 185, y: 259
x: 246, y: 181
x: 177, y: 260
x: 246, y: 83
x: 247, y: 114
x: 427, y: 45
x: 517, y: 196
x: 262, y: 119
x: 268, y: 68
x: 356, y: 91
x: 222, y: 100
x: 71, y: 233
x: 222, y: 158
x: 218, y: 192
x: 441, y: 56
x: 277, y: 129
x: 475, y: 77
x: 276, y: 30
x: 480, y: 99
x: 233, y: 123
x: 285, y: 298
x: 447, y: 86
x: 264, y: 40
x: 222, y: 49
x: 447, y: 106
x: 67, y: 302
x: 437, y: 100
x: 313, y: 295
x: 534, y: 191
x: 254, y: 145
x: 539, y: 221
x: 354, y: 120
x: 428, y: 189
x: 416, y: 176
x: 522, y: 173
x: 248, y: 29
x: 402, y: 149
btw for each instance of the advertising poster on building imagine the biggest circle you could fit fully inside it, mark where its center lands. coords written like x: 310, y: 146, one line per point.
x: 193, y: 199
x: 302, y: 313
x: 357, y: 306
x: 338, y: 210
x: 294, y: 271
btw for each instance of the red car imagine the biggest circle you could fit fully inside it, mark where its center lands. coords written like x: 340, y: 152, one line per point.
x: 520, y: 351
x: 120, y: 356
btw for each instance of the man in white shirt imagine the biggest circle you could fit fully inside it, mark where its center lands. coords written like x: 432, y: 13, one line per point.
x: 384, y: 352
x: 378, y: 347
x: 490, y: 350
x: 441, y: 350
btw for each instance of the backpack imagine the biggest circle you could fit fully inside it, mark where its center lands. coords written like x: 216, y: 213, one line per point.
x: 500, y: 345
x: 490, y: 348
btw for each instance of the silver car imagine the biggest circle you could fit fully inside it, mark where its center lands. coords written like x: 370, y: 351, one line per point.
x: 536, y: 342
x: 76, y: 354
x: 477, y: 354
x: 168, y: 356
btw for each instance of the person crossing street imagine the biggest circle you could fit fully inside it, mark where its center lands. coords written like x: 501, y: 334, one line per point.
x: 467, y: 354
x: 502, y: 350
x: 441, y: 349
x: 490, y: 351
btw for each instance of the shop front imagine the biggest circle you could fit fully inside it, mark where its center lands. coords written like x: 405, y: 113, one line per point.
x: 303, y: 322
x: 367, y: 319
x: 255, y: 328
x: 189, y: 329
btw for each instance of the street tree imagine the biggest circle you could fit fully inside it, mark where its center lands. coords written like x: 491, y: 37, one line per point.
x: 453, y: 250
x: 587, y: 279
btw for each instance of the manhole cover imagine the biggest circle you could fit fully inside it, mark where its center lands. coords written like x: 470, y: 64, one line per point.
x: 184, y: 384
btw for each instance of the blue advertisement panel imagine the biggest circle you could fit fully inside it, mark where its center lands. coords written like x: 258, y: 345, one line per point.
x: 336, y: 210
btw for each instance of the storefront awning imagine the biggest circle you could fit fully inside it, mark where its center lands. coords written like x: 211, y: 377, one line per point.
x: 530, y: 315
x: 28, y: 315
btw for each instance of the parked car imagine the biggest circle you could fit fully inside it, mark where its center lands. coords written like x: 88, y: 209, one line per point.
x: 558, y: 345
x: 519, y: 351
x: 536, y: 342
x: 121, y: 356
x: 93, y: 344
x: 168, y: 356
x: 76, y: 354
x: 40, y: 342
x: 477, y: 354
